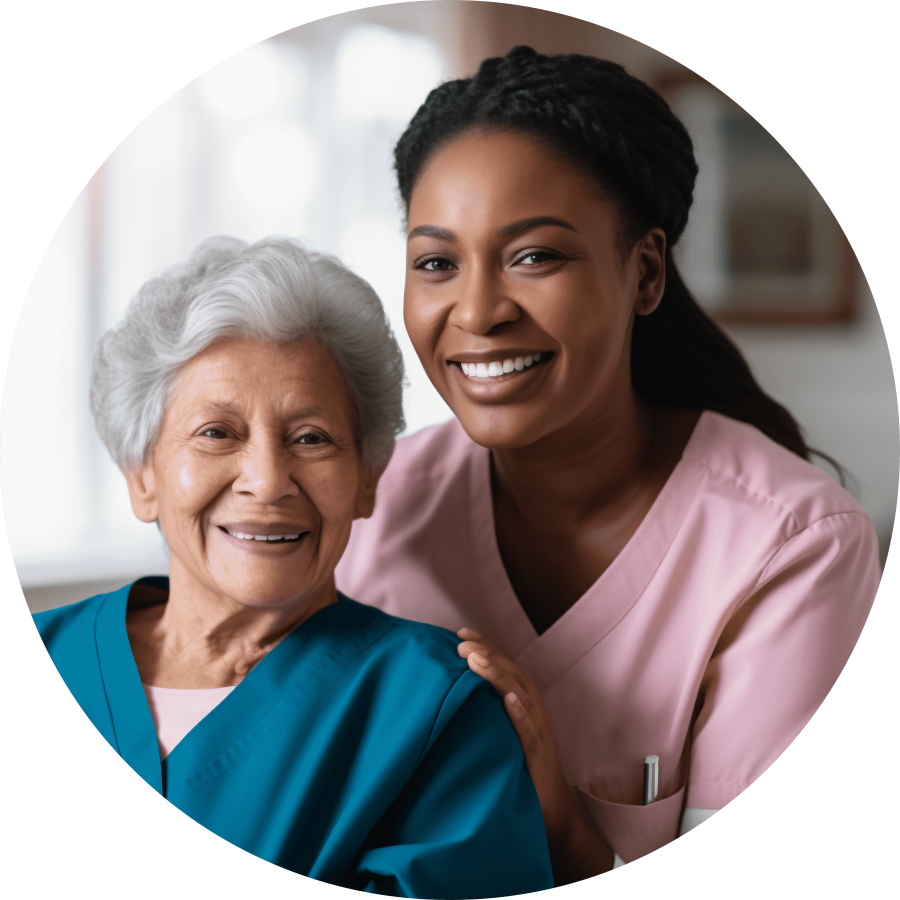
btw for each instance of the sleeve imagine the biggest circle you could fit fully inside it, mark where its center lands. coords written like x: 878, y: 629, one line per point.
x: 468, y: 823
x: 780, y: 654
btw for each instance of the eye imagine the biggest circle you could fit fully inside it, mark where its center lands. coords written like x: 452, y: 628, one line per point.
x: 311, y: 439
x: 535, y: 258
x: 433, y: 264
x: 215, y: 433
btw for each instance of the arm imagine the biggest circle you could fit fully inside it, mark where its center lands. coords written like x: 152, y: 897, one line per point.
x: 468, y: 823
x: 577, y: 849
x: 780, y: 654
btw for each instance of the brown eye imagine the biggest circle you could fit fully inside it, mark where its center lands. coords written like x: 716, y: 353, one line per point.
x: 535, y: 258
x: 311, y: 439
x: 434, y: 264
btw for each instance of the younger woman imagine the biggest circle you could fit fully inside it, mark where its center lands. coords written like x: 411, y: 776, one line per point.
x: 631, y: 528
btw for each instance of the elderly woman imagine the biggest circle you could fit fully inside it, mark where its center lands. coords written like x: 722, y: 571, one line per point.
x: 251, y: 398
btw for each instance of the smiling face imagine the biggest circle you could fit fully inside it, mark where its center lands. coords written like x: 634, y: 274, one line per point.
x: 519, y: 297
x: 256, y: 476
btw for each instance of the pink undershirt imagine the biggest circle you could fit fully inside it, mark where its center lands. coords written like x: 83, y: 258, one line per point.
x: 176, y: 711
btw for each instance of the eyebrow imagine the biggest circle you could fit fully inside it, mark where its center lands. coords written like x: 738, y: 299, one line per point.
x: 534, y: 222
x: 507, y: 231
x: 431, y: 231
x: 231, y: 408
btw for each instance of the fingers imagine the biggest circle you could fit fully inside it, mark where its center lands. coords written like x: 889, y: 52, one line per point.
x: 504, y: 681
x: 526, y: 729
x: 467, y: 634
x: 492, y: 660
x: 475, y: 642
x: 503, y: 674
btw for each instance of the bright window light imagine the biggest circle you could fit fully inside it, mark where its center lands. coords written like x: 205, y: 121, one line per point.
x: 251, y: 84
x: 385, y: 73
x: 275, y: 166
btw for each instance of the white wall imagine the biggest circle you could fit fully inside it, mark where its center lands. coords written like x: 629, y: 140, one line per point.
x: 838, y: 383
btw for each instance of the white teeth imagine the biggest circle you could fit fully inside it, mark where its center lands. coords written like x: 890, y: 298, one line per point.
x: 494, y: 369
x: 262, y: 537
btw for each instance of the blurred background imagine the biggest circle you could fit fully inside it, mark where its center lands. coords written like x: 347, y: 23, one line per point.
x: 294, y: 136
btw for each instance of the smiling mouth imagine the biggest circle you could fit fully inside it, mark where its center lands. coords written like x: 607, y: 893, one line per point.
x: 265, y: 538
x: 497, y: 369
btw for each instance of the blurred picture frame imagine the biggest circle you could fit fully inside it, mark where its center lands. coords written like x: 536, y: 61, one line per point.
x: 761, y: 246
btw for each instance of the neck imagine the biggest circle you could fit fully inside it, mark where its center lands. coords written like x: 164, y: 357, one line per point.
x: 202, y: 638
x: 585, y: 465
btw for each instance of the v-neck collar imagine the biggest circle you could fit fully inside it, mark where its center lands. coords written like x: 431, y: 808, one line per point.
x: 132, y: 722
x: 299, y: 662
x: 591, y: 618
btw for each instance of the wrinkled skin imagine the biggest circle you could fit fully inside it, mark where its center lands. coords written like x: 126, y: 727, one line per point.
x: 257, y: 440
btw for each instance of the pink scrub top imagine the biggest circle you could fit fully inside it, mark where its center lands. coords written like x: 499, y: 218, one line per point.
x: 710, y: 641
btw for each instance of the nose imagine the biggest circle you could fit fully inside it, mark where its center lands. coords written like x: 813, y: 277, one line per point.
x: 482, y: 302
x: 266, y: 469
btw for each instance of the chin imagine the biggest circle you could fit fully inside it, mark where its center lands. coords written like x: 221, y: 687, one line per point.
x: 499, y: 429
x: 265, y: 597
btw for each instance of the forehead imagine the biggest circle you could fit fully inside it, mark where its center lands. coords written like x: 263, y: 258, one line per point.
x: 496, y: 172
x: 242, y: 373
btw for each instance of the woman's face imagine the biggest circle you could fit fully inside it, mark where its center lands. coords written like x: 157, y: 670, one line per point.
x: 256, y: 476
x: 519, y: 298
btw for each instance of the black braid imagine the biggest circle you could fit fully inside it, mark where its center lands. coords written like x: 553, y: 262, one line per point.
x: 618, y: 129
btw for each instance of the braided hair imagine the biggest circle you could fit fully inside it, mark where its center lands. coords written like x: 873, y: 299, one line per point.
x: 621, y: 132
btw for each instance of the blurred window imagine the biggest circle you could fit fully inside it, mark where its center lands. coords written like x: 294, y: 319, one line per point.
x: 291, y: 136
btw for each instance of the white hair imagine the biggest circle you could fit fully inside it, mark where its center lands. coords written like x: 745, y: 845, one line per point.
x: 273, y: 290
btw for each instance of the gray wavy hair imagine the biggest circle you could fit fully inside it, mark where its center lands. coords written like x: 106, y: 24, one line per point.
x: 273, y: 290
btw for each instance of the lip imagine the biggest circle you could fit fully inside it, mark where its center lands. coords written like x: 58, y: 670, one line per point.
x: 486, y: 356
x: 500, y: 388
x: 266, y: 528
x: 269, y: 548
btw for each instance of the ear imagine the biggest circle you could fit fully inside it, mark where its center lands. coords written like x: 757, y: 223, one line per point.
x: 142, y: 491
x: 365, y: 491
x: 651, y: 262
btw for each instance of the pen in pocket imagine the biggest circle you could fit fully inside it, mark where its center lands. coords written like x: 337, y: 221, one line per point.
x: 651, y: 778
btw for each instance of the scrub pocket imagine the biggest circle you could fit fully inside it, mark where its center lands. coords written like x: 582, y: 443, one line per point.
x: 634, y: 831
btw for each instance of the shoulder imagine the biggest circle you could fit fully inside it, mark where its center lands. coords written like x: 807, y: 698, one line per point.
x: 424, y: 649
x: 70, y: 621
x: 432, y: 453
x: 757, y: 473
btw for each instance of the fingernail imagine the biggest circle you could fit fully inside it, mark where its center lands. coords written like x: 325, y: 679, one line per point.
x: 512, y: 698
x: 479, y: 660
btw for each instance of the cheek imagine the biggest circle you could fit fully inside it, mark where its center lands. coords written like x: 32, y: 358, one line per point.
x: 585, y: 318
x: 423, y: 317
x: 332, y: 491
x: 193, y: 484
x: 186, y: 478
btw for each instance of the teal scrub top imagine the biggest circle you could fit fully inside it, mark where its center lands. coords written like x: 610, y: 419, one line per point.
x: 360, y: 751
